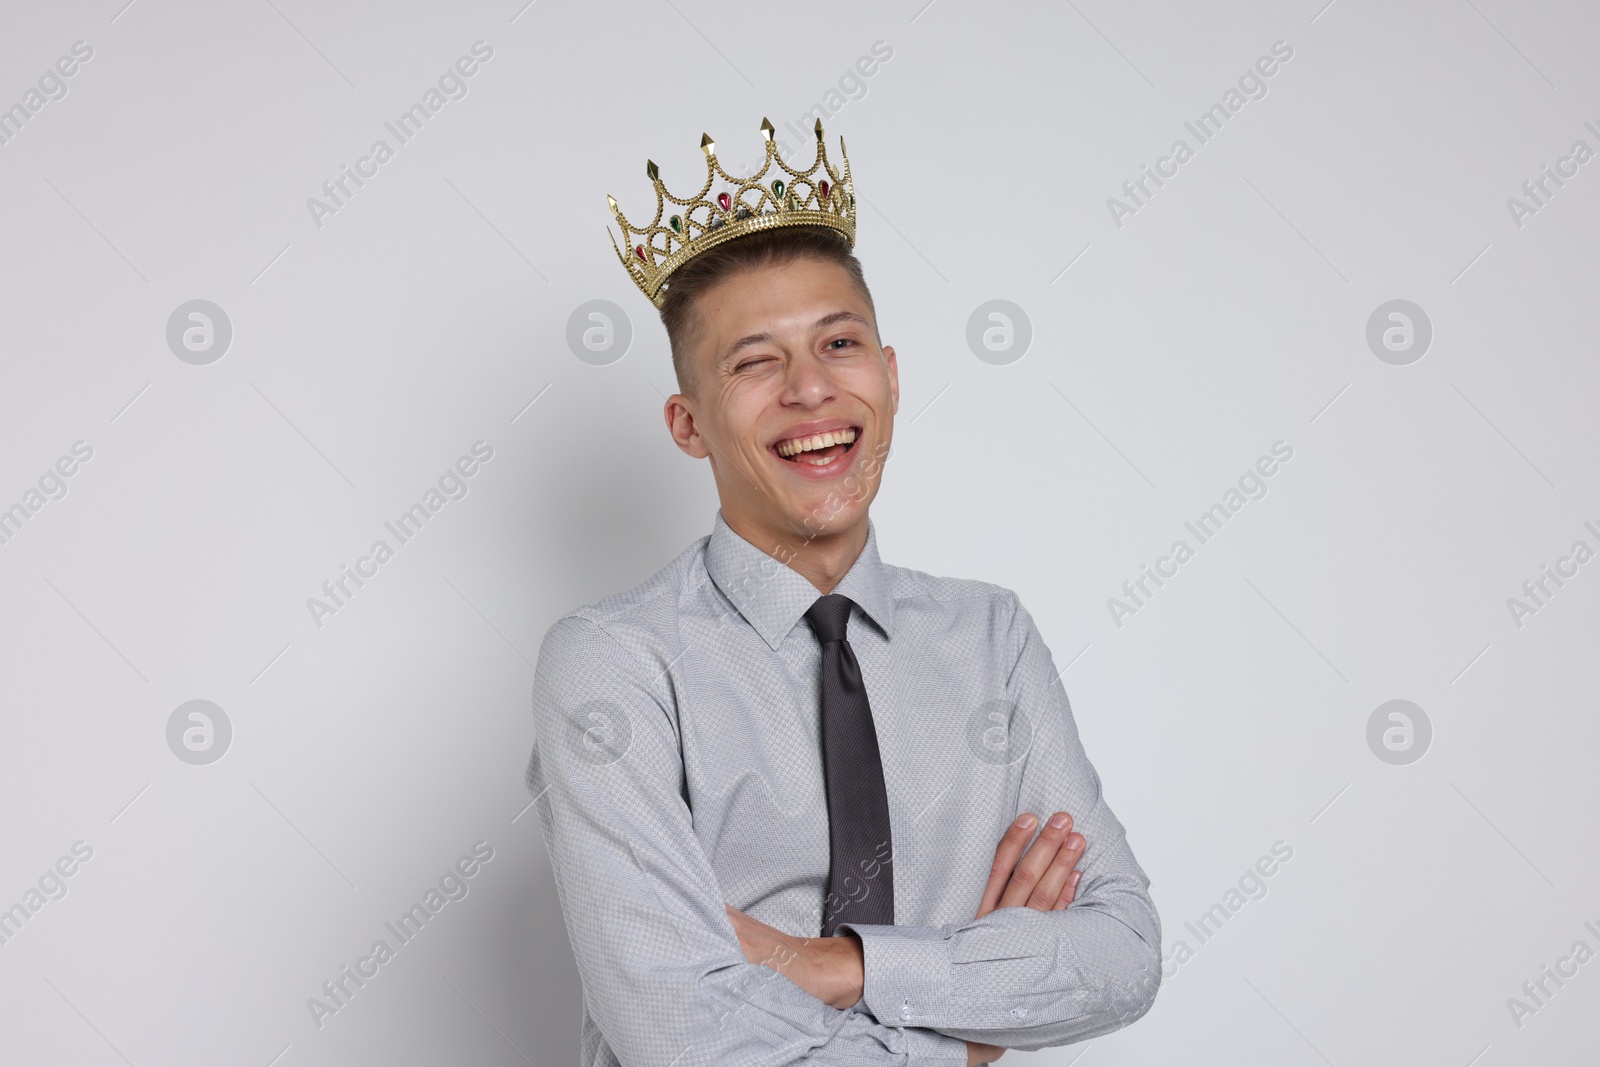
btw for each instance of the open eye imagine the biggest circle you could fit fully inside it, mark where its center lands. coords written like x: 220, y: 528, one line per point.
x: 840, y: 341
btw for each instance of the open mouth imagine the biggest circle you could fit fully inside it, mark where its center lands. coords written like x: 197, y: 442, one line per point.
x: 818, y: 450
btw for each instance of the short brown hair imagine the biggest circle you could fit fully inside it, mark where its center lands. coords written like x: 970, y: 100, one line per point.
x: 764, y: 248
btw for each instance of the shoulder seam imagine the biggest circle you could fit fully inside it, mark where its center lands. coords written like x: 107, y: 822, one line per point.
x: 917, y: 579
x: 593, y: 613
x: 579, y: 615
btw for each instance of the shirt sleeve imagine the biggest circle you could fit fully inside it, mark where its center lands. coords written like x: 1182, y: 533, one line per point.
x: 664, y: 977
x: 1017, y: 977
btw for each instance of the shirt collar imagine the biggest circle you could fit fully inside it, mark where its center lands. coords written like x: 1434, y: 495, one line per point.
x: 773, y: 597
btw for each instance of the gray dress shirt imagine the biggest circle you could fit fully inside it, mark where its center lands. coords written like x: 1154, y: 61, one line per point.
x: 677, y: 765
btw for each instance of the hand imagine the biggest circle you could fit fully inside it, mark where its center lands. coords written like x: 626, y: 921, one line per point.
x: 977, y: 1053
x: 1045, y: 879
x: 832, y: 969
x: 829, y: 968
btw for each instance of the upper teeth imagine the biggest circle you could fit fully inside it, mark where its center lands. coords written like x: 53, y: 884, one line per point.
x: 815, y: 441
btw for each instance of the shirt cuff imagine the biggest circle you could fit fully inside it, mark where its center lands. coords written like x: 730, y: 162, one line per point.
x: 924, y: 1048
x: 907, y: 975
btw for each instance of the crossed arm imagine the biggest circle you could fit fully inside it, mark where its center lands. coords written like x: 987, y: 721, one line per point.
x: 833, y: 969
x: 669, y: 977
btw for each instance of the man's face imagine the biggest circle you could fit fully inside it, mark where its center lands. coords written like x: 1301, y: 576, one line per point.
x: 783, y: 355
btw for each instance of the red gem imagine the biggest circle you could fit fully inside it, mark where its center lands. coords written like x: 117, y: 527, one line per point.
x: 822, y: 187
x: 724, y: 201
x: 640, y: 250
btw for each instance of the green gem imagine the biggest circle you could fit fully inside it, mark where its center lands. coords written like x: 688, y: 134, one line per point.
x: 852, y: 201
x: 777, y: 188
x: 676, y: 223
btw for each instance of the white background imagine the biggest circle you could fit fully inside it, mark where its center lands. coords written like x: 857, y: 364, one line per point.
x: 1168, y: 353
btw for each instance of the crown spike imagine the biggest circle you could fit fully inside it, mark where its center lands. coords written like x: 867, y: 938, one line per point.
x: 651, y: 263
x: 842, y: 151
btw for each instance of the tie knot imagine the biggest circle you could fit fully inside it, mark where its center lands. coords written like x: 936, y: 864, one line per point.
x: 829, y: 617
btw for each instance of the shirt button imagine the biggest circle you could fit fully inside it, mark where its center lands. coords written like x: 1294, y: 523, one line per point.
x: 905, y: 1009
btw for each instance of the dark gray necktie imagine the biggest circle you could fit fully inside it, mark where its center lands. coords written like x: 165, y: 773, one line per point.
x: 860, y: 877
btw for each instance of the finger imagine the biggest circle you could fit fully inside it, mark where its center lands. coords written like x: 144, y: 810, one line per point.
x: 1055, y: 878
x: 1069, y: 894
x: 1006, y: 855
x: 1058, y: 876
x: 1030, y: 869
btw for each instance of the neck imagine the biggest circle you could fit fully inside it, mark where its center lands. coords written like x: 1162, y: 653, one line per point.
x: 822, y: 560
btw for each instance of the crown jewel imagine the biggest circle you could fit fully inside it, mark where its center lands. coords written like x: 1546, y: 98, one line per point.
x: 774, y: 196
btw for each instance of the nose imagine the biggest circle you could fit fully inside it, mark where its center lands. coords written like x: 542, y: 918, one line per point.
x: 807, y: 382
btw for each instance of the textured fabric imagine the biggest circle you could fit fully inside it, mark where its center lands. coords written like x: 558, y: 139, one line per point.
x: 860, y: 838
x: 677, y: 766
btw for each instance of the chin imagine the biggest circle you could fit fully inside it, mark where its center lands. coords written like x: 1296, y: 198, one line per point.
x: 830, y: 512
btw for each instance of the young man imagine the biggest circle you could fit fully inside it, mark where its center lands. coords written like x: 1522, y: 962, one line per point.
x: 772, y: 778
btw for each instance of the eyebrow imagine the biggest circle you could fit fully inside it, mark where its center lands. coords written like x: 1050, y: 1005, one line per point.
x: 762, y: 338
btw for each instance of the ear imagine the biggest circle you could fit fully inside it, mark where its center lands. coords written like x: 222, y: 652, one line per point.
x: 894, y: 376
x: 680, y: 424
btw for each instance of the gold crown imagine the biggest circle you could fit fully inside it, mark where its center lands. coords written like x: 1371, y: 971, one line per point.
x: 752, y: 204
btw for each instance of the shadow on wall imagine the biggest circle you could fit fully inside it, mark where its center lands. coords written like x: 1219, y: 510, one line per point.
x: 542, y: 968
x: 617, y: 508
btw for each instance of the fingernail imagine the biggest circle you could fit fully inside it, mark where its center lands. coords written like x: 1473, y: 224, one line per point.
x: 1024, y: 821
x: 1075, y: 876
x: 1059, y: 819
